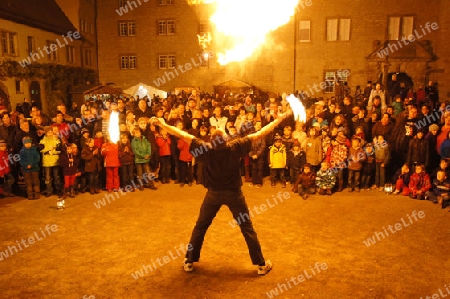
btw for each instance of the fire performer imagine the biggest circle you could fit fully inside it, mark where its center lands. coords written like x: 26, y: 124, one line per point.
x: 222, y: 178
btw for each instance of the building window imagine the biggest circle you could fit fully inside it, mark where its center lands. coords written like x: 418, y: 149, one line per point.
x: 304, y: 31
x: 53, y: 49
x: 400, y: 27
x: 338, y: 29
x: 70, y: 54
x: 166, y: 27
x: 203, y: 28
x: 165, y: 2
x: 122, y: 3
x: 333, y: 76
x: 9, y: 43
x: 128, y: 62
x: 19, y: 86
x: 166, y: 61
x: 30, y: 42
x: 87, y: 57
x: 127, y: 28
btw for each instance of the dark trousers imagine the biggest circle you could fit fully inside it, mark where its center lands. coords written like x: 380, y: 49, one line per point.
x: 365, y: 181
x: 380, y: 175
x: 277, y: 172
x: 186, y: 174
x: 235, y: 201
x: 126, y: 175
x: 199, y: 172
x: 293, y: 174
x: 8, y: 181
x: 93, y: 179
x: 257, y: 171
x: 32, y: 182
x: 165, y: 167
x: 354, y: 178
x: 52, y: 175
x: 302, y: 190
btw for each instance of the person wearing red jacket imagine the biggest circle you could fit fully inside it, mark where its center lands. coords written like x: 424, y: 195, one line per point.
x: 5, y: 171
x: 163, y: 141
x: 110, y: 152
x: 185, y: 163
x: 419, y: 183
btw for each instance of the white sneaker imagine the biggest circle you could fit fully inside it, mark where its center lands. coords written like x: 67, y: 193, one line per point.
x: 263, y: 270
x: 188, y: 267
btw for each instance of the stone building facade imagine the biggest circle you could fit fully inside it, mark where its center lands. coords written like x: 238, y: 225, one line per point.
x: 147, y: 41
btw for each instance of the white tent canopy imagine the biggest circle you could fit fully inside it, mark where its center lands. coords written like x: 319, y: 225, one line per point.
x: 142, y: 90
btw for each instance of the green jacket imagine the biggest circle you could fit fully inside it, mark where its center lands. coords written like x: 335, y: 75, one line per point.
x: 141, y: 148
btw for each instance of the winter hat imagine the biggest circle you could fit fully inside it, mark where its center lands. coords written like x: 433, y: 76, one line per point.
x: 296, y: 143
x: 340, y: 139
x: 27, y: 139
x: 47, y: 128
x: 307, y: 165
x: 84, y: 130
x: 2, y: 141
x: 433, y: 127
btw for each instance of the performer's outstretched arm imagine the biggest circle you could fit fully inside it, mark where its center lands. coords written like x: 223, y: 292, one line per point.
x: 271, y: 126
x: 186, y: 137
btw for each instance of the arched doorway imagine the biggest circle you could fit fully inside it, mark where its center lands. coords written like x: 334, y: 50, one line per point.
x: 35, y: 93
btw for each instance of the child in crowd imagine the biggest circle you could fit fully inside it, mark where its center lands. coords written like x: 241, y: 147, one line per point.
x: 126, y: 158
x: 357, y: 156
x: 287, y: 138
x: 185, y: 163
x: 80, y: 180
x: 84, y: 137
x: 440, y: 190
x: 382, y: 156
x: 142, y: 151
x: 69, y: 163
x: 256, y: 157
x: 338, y: 159
x: 5, y: 171
x: 163, y: 140
x: 402, y: 178
x: 368, y: 167
x: 325, y: 179
x: 29, y: 162
x: 50, y: 161
x: 98, y: 142
x: 277, y: 162
x: 300, y: 134
x: 110, y: 153
x: 305, y: 183
x: 295, y: 160
x: 313, y: 148
x: 419, y: 183
x: 92, y: 164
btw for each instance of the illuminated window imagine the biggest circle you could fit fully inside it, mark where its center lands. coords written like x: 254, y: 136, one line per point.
x: 338, y: 29
x: 304, y: 31
x: 400, y: 27
x: 128, y: 62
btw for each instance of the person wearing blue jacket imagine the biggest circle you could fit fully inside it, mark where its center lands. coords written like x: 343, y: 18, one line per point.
x: 29, y: 162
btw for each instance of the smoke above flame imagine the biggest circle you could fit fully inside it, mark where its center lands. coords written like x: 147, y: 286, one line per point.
x: 242, y: 26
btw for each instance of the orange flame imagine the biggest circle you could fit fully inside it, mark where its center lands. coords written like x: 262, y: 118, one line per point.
x: 245, y: 24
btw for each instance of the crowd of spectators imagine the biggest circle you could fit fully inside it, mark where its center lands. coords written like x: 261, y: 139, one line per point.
x: 351, y: 141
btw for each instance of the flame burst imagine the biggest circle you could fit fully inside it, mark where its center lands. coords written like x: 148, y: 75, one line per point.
x: 113, y: 129
x: 246, y: 23
x: 297, y: 108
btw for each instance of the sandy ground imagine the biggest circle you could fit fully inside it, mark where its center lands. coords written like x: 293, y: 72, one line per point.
x: 316, y: 245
